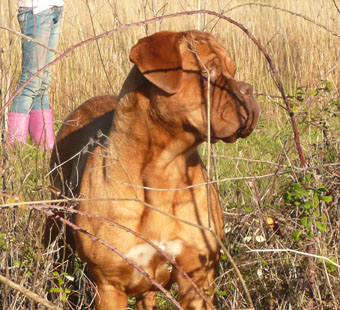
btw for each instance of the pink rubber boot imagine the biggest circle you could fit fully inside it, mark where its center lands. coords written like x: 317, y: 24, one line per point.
x: 41, y: 128
x: 17, y: 127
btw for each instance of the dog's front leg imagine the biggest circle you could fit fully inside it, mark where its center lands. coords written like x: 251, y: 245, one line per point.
x: 147, y: 301
x: 110, y: 298
x: 202, y: 274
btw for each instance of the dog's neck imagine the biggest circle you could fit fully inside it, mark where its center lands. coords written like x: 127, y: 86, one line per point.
x: 135, y: 123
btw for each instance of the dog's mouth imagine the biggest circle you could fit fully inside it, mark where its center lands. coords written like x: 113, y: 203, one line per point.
x: 213, y: 139
x: 241, y: 133
x: 230, y: 139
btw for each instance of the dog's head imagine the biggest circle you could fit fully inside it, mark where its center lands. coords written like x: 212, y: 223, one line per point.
x: 186, y: 69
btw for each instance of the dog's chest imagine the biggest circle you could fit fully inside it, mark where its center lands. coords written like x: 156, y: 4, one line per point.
x: 154, y: 258
x: 146, y: 253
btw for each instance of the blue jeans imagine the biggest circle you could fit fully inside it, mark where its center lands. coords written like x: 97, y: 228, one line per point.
x: 44, y: 27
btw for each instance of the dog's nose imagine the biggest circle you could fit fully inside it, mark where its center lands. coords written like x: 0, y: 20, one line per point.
x: 249, y: 108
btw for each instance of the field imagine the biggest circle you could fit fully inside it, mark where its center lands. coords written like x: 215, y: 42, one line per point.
x: 293, y: 264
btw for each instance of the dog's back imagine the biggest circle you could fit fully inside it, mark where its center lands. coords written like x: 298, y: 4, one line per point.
x: 78, y: 133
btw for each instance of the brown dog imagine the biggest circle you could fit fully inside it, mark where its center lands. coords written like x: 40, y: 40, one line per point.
x: 147, y: 156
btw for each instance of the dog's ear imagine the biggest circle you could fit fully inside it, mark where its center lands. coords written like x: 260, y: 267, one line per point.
x: 158, y: 58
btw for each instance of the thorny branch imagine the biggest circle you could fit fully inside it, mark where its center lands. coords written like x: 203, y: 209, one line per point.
x: 337, y: 7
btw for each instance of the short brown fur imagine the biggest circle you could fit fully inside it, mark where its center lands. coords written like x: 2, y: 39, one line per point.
x: 149, y: 141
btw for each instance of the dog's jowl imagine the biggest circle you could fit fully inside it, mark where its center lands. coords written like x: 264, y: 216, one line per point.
x: 134, y: 161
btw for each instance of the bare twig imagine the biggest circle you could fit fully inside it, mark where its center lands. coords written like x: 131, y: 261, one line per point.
x: 289, y: 12
x: 337, y: 7
x: 208, y: 109
x: 29, y: 38
x: 299, y: 253
x: 99, y: 51
x: 28, y: 293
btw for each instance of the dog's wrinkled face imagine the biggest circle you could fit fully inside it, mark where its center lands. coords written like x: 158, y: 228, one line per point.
x: 188, y: 68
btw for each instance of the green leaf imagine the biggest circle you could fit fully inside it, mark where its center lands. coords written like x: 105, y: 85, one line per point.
x: 321, y: 226
x: 286, y: 258
x: 17, y: 262
x: 3, y: 242
x: 310, y: 233
x: 295, y: 110
x: 265, y: 263
x: 296, y: 235
x: 56, y: 290
x: 328, y: 85
x: 330, y: 265
x: 287, y: 196
x: 305, y: 221
x: 248, y: 209
x: 308, y: 204
x: 221, y: 293
x: 296, y: 185
x: 302, y: 192
x: 322, y: 188
x: 326, y: 198
x: 316, y: 213
x: 224, y: 257
x: 335, y: 103
x: 313, y: 92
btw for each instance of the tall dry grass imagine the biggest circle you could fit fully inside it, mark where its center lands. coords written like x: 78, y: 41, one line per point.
x: 262, y: 168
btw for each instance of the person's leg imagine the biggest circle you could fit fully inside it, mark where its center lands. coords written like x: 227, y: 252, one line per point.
x: 17, y: 127
x: 38, y: 27
x: 41, y: 128
x: 52, y: 28
x: 33, y: 58
x: 41, y: 118
x: 18, y: 117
